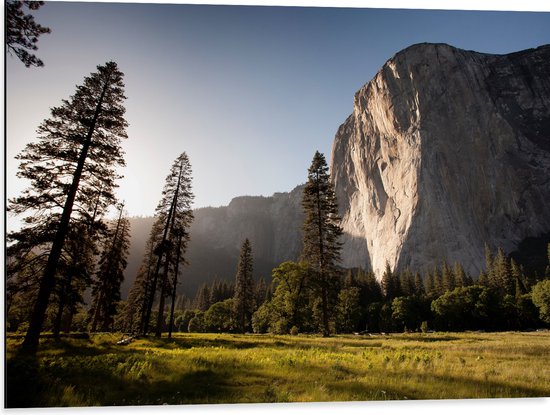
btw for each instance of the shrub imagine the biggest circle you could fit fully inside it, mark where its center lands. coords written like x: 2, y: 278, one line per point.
x: 197, y: 324
x: 261, y: 319
x: 541, y: 298
x: 219, y: 317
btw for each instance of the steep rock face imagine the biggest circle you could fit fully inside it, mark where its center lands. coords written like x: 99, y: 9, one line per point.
x: 445, y: 150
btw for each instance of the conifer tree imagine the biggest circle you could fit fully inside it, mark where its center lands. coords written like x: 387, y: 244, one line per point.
x: 460, y: 278
x: 77, y: 152
x: 202, y: 298
x: 429, y: 285
x: 391, y: 285
x: 447, y: 277
x: 439, y: 288
x: 489, y: 264
x: 321, y: 233
x: 518, y: 278
x: 419, y: 285
x: 22, y: 31
x: 174, y: 216
x: 113, y: 261
x: 243, y: 300
x: 502, y: 277
x: 406, y: 282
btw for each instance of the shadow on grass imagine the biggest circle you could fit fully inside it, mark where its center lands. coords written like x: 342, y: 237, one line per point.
x: 23, y: 382
x: 83, y: 379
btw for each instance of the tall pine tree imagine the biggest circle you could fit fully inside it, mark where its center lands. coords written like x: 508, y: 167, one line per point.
x: 78, y: 150
x: 243, y: 300
x: 321, y: 233
x: 174, y: 215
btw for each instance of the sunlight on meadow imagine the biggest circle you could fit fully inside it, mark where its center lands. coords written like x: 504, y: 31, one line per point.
x: 219, y: 368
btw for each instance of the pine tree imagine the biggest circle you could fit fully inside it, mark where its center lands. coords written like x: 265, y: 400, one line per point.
x: 388, y: 282
x: 461, y: 280
x: 429, y: 285
x: 22, y: 31
x: 419, y: 285
x: 321, y: 233
x: 202, y: 298
x: 243, y: 300
x: 489, y: 265
x: 106, y: 287
x: 502, y: 277
x: 406, y: 282
x: 174, y: 215
x: 518, y: 278
x: 439, y: 288
x: 77, y: 152
x: 448, y: 278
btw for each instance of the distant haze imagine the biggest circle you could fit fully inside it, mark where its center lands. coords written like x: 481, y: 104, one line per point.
x: 248, y: 92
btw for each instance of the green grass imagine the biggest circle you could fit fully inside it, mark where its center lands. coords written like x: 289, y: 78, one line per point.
x: 216, y: 368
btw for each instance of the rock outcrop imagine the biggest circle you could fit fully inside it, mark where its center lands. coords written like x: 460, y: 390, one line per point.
x: 446, y: 150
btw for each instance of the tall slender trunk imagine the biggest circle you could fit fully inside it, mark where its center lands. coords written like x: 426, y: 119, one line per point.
x: 174, y: 286
x: 168, y: 226
x: 322, y: 277
x: 160, y: 315
x: 153, y: 287
x: 48, y: 279
x: 97, y: 311
x: 62, y: 300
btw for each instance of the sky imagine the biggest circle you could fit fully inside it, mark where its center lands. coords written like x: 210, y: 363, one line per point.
x: 250, y: 93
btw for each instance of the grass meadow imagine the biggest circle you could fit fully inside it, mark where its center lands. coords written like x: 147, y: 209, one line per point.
x: 226, y: 368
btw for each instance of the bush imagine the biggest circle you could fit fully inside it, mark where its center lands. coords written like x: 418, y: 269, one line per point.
x: 219, y: 317
x: 182, y: 321
x: 541, y: 298
x: 196, y: 324
x: 261, y: 319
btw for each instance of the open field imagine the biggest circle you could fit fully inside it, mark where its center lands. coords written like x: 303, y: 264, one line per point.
x: 225, y: 368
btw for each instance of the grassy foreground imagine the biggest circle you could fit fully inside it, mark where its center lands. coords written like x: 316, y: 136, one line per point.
x: 224, y: 368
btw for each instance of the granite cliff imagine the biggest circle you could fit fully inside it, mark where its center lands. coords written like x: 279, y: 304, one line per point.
x: 446, y: 150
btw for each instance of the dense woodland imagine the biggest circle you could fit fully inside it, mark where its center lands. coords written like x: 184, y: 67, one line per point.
x: 68, y: 250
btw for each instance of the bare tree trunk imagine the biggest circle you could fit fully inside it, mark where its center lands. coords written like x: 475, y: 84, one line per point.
x: 174, y: 286
x: 62, y: 300
x: 160, y: 316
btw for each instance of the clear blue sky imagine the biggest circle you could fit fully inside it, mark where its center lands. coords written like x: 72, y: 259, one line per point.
x: 248, y: 92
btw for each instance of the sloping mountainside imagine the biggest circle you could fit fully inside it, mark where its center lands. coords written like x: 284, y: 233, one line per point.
x: 445, y: 150
x: 272, y: 224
